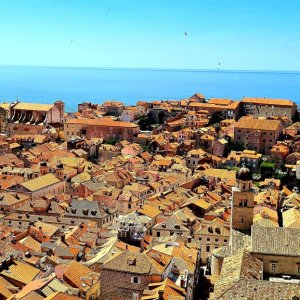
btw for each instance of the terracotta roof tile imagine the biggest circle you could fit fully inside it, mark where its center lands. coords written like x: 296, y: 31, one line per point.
x: 257, y: 124
x: 268, y: 101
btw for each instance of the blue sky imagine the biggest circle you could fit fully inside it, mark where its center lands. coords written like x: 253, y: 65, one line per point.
x: 240, y: 34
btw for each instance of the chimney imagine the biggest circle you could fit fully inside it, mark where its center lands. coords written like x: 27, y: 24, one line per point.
x: 63, y: 238
x: 40, y: 229
x: 142, y: 248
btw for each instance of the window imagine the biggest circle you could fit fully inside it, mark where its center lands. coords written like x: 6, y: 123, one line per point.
x: 216, y: 240
x: 157, y: 234
x: 225, y: 241
x: 273, y: 267
x: 298, y: 270
x: 207, y: 248
x: 135, y: 279
x: 243, y: 203
x: 208, y: 239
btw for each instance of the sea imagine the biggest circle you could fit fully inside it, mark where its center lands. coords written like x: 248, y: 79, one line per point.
x: 77, y: 85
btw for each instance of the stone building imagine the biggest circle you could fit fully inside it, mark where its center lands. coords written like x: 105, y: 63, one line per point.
x: 260, y: 262
x: 219, y: 147
x: 170, y: 227
x: 248, y: 157
x: 212, y: 235
x: 33, y: 118
x: 278, y: 153
x: 229, y: 108
x: 113, y: 108
x: 126, y: 275
x: 268, y: 107
x: 194, y: 157
x: 90, y: 210
x: 100, y: 128
x: 40, y: 186
x: 258, y: 134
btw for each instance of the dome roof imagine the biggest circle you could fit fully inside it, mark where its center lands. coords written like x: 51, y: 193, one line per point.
x: 59, y: 166
x: 43, y: 164
x: 244, y: 174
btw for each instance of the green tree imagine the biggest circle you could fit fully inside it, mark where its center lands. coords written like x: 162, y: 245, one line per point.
x: 161, y: 117
x: 216, y: 117
x: 236, y: 146
x: 267, y: 169
x: 111, y: 141
x: 144, y: 123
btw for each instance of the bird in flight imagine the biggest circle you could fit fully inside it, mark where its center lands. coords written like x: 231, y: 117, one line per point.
x: 71, y: 41
x: 185, y: 33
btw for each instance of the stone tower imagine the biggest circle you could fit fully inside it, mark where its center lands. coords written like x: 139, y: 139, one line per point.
x: 242, y: 201
x: 44, y: 169
x: 59, y: 171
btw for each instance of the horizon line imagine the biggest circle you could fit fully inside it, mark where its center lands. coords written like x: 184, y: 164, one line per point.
x: 154, y: 69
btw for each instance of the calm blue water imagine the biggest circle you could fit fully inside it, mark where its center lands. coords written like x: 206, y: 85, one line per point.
x: 75, y: 85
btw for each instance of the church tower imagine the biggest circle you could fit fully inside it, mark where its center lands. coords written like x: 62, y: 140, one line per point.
x: 44, y: 169
x: 242, y: 201
x: 59, y: 171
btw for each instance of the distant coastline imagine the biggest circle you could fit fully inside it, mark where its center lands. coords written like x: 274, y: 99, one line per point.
x: 157, y: 69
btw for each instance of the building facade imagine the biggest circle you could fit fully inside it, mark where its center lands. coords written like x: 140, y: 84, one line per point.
x: 268, y: 107
x: 258, y: 134
x: 229, y: 108
x: 100, y: 128
x: 33, y: 118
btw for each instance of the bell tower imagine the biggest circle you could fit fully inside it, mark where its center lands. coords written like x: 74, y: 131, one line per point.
x: 59, y: 171
x: 44, y: 169
x: 242, y: 204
